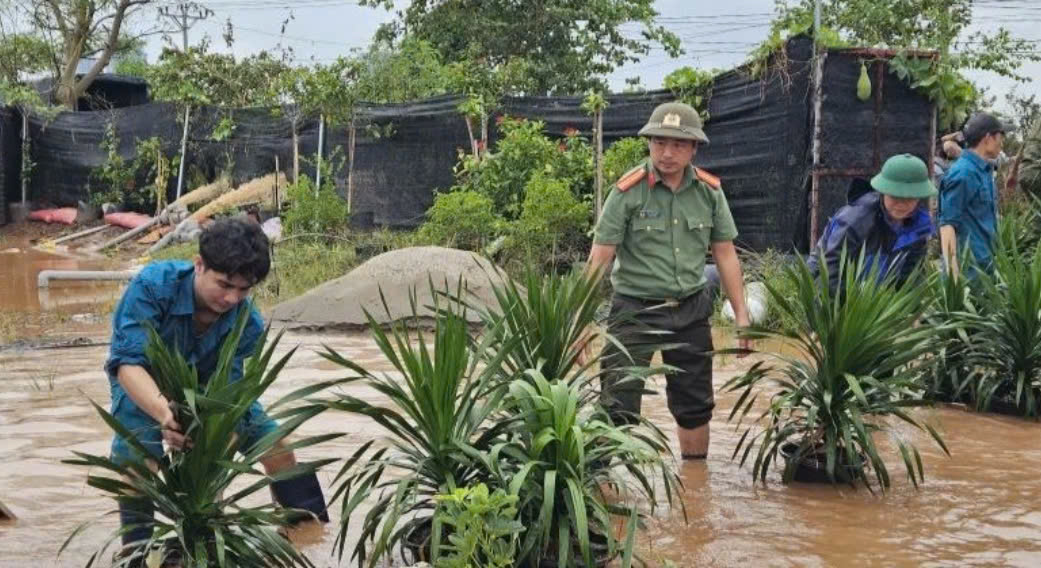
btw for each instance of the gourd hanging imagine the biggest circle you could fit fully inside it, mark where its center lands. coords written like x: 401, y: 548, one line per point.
x: 864, y: 83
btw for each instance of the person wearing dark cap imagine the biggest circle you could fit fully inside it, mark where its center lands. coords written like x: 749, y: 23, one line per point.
x: 968, y: 198
x: 888, y: 225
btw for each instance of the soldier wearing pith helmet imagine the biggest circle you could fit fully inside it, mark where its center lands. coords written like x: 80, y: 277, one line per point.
x: 659, y: 222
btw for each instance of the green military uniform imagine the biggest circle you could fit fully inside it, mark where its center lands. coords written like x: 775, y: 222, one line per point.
x: 662, y: 238
x: 1030, y: 164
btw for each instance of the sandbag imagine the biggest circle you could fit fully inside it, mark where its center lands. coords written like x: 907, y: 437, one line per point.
x: 64, y: 215
x: 127, y: 220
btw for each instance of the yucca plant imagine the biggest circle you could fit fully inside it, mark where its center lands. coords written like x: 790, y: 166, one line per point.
x: 1007, y: 352
x: 542, y: 325
x: 201, y: 522
x: 953, y: 312
x: 437, y: 419
x: 556, y: 463
x: 856, y: 365
x: 1020, y: 226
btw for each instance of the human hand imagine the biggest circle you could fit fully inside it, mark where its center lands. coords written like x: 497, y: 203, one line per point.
x: 171, y: 430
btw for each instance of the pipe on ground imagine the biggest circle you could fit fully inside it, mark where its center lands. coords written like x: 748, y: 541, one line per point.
x: 43, y: 280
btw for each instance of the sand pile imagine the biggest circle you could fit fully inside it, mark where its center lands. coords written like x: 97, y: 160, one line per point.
x: 340, y: 303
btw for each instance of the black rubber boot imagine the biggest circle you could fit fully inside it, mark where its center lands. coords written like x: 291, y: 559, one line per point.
x: 303, y: 493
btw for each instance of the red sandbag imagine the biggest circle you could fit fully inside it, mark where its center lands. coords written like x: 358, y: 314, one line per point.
x: 127, y: 220
x: 65, y: 215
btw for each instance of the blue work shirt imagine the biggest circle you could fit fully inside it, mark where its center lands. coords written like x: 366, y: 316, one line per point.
x: 895, y: 248
x: 163, y: 295
x: 968, y: 203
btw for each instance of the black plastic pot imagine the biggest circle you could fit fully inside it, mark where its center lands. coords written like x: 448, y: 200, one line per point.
x: 599, y: 550
x: 415, y: 541
x: 1006, y: 407
x: 813, y: 467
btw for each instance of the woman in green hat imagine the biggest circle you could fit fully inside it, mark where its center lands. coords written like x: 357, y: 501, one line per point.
x: 889, y: 224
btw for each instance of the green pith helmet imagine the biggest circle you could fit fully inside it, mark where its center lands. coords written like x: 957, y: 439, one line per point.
x: 675, y: 120
x: 904, y: 176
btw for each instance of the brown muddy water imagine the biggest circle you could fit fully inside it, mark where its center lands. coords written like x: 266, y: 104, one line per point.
x: 980, y: 507
x: 20, y: 265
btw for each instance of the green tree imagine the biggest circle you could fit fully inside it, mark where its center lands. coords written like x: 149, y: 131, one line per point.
x: 577, y: 43
x: 396, y: 72
x: 75, y: 29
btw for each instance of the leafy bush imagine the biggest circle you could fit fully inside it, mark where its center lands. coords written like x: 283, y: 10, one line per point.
x: 324, y: 212
x: 482, y: 528
x: 621, y: 157
x: 552, y: 219
x: 463, y: 219
x: 692, y: 86
x: 130, y: 182
x: 523, y: 151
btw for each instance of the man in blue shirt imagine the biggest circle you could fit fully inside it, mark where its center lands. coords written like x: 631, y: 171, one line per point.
x: 193, y: 307
x: 968, y: 199
x: 888, y: 225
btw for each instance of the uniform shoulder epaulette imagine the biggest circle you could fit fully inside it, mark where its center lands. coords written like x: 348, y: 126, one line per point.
x: 707, y: 178
x: 633, y: 177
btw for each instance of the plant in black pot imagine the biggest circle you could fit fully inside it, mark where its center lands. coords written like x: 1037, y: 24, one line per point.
x: 953, y: 313
x: 857, y: 365
x: 1006, y: 353
x: 203, y: 522
x: 562, y: 458
x: 435, y: 419
x: 564, y: 450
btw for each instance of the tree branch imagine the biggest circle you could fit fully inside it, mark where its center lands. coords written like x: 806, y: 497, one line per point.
x: 111, y: 44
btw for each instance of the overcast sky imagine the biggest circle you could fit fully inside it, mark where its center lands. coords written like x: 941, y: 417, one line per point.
x: 714, y: 34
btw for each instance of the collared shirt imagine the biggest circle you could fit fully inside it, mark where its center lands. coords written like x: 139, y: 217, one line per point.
x: 663, y: 235
x: 162, y: 296
x: 968, y: 202
x: 894, y: 248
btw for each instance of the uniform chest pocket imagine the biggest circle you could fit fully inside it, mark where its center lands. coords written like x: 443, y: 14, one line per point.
x: 648, y: 227
x: 700, y: 228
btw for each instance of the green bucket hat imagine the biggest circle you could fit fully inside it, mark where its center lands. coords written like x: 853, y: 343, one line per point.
x: 675, y: 120
x: 904, y: 176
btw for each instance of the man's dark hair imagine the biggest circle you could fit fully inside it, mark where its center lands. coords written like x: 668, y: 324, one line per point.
x: 236, y: 247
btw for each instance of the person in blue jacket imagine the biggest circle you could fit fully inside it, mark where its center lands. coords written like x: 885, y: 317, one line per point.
x: 889, y: 225
x: 193, y: 307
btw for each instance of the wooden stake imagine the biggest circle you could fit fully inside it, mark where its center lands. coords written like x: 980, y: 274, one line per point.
x: 350, y: 167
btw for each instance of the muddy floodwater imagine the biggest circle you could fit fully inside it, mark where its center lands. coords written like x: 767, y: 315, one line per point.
x: 20, y: 265
x: 980, y: 507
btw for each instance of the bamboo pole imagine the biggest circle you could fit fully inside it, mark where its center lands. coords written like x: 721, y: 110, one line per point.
x: 80, y: 234
x: 350, y: 166
x: 184, y: 152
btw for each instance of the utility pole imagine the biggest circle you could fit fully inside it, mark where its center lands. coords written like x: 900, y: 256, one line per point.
x: 819, y: 53
x: 184, y: 15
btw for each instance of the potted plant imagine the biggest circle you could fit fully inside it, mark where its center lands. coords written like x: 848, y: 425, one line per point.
x: 1006, y: 355
x: 199, y: 523
x: 953, y: 313
x: 857, y: 363
x: 436, y: 421
x: 561, y: 457
x: 563, y: 449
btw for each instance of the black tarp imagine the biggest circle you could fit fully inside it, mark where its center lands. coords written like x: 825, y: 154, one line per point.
x: 10, y: 157
x: 108, y: 91
x: 857, y: 136
x: 760, y: 131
